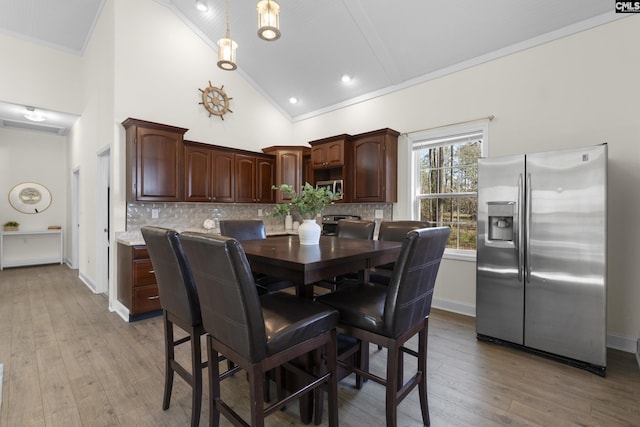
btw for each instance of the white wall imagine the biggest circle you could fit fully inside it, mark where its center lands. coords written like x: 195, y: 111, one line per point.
x: 579, y: 90
x: 33, y: 157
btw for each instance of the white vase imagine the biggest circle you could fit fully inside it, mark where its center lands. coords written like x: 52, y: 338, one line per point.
x: 288, y: 222
x: 309, y: 232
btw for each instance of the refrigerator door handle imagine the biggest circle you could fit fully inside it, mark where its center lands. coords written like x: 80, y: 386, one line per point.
x: 520, y: 230
x: 527, y: 231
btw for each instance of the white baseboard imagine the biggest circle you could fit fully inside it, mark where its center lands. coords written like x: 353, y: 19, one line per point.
x: 69, y: 264
x: 87, y: 282
x: 121, y: 310
x: 625, y: 344
x: 454, y: 306
x: 628, y: 345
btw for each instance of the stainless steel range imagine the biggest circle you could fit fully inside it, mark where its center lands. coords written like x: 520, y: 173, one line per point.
x: 330, y: 222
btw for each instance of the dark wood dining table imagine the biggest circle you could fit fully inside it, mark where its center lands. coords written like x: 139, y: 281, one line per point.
x: 284, y: 257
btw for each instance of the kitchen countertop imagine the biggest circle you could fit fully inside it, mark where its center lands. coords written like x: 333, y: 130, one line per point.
x: 134, y: 238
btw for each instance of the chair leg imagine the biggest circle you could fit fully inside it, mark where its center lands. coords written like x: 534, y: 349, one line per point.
x: 400, y: 370
x: 422, y: 366
x: 214, y: 384
x: 333, y: 380
x: 318, y: 393
x: 392, y: 384
x: 256, y: 394
x: 169, y: 356
x: 196, y: 374
x: 362, y: 362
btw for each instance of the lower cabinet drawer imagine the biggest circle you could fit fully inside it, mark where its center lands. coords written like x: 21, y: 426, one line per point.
x: 143, y: 273
x: 145, y: 298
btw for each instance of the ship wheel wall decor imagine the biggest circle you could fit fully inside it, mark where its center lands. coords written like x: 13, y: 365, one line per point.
x: 215, y: 100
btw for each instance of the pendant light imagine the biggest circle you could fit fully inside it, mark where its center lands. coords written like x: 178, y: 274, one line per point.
x: 227, y: 49
x: 268, y: 20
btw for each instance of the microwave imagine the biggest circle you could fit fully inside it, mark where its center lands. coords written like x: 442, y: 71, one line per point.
x: 334, y: 185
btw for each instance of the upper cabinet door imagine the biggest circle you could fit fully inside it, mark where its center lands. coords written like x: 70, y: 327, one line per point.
x: 223, y: 185
x: 154, y: 158
x: 288, y: 167
x: 328, y: 153
x: 254, y: 178
x: 245, y: 178
x: 197, y: 173
x: 266, y: 172
x: 290, y: 171
x: 374, y: 169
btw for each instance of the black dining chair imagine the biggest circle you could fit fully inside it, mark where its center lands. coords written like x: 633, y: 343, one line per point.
x: 390, y: 315
x: 355, y: 229
x: 253, y: 229
x: 180, y: 307
x: 258, y: 333
x: 349, y: 229
x: 394, y: 231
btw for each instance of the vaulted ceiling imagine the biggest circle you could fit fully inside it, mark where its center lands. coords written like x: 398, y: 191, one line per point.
x: 385, y: 46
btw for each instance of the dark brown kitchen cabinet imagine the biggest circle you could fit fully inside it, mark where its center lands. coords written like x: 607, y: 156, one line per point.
x: 197, y: 168
x: 137, y: 286
x: 373, y: 173
x: 328, y: 152
x: 209, y: 173
x: 289, y: 165
x: 245, y: 179
x: 307, y: 170
x: 223, y: 176
x: 254, y: 178
x: 154, y: 161
x: 265, y: 178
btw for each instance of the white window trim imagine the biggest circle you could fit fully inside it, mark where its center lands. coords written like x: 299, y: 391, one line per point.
x: 478, y: 125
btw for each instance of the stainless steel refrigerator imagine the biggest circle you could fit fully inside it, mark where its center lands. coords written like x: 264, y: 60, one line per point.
x: 542, y: 254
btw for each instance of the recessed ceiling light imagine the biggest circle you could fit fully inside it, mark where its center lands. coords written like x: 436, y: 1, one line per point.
x: 202, y: 6
x: 293, y: 100
x: 34, y: 116
x: 346, y: 78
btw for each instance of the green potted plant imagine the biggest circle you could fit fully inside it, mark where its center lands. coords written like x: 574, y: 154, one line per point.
x: 11, y: 226
x: 308, y: 203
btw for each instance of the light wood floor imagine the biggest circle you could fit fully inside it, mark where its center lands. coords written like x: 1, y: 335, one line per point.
x: 69, y: 362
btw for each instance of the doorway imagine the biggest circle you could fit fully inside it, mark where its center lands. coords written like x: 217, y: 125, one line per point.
x: 103, y: 229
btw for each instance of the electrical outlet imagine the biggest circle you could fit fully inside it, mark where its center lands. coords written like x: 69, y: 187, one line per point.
x: 259, y: 212
x: 154, y: 213
x: 379, y: 214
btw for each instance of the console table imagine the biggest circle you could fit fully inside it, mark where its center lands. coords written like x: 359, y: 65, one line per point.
x: 37, y: 247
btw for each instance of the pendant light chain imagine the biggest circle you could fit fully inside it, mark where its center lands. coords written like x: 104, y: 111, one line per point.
x: 227, y: 49
x: 228, y: 32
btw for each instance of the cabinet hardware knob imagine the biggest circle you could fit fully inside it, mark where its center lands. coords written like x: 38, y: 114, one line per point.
x: 152, y: 271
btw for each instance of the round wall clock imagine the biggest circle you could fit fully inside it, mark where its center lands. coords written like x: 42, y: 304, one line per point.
x: 30, y: 197
x: 215, y: 100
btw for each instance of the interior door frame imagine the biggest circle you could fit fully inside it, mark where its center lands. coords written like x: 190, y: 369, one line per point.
x: 75, y: 219
x: 103, y: 228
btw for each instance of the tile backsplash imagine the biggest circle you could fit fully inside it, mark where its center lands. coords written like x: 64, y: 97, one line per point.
x: 191, y: 216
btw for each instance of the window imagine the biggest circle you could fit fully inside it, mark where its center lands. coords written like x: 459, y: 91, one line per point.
x: 445, y: 180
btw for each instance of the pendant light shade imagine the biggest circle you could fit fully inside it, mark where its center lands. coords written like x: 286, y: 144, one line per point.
x: 268, y: 20
x: 227, y: 49
x: 227, y: 53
